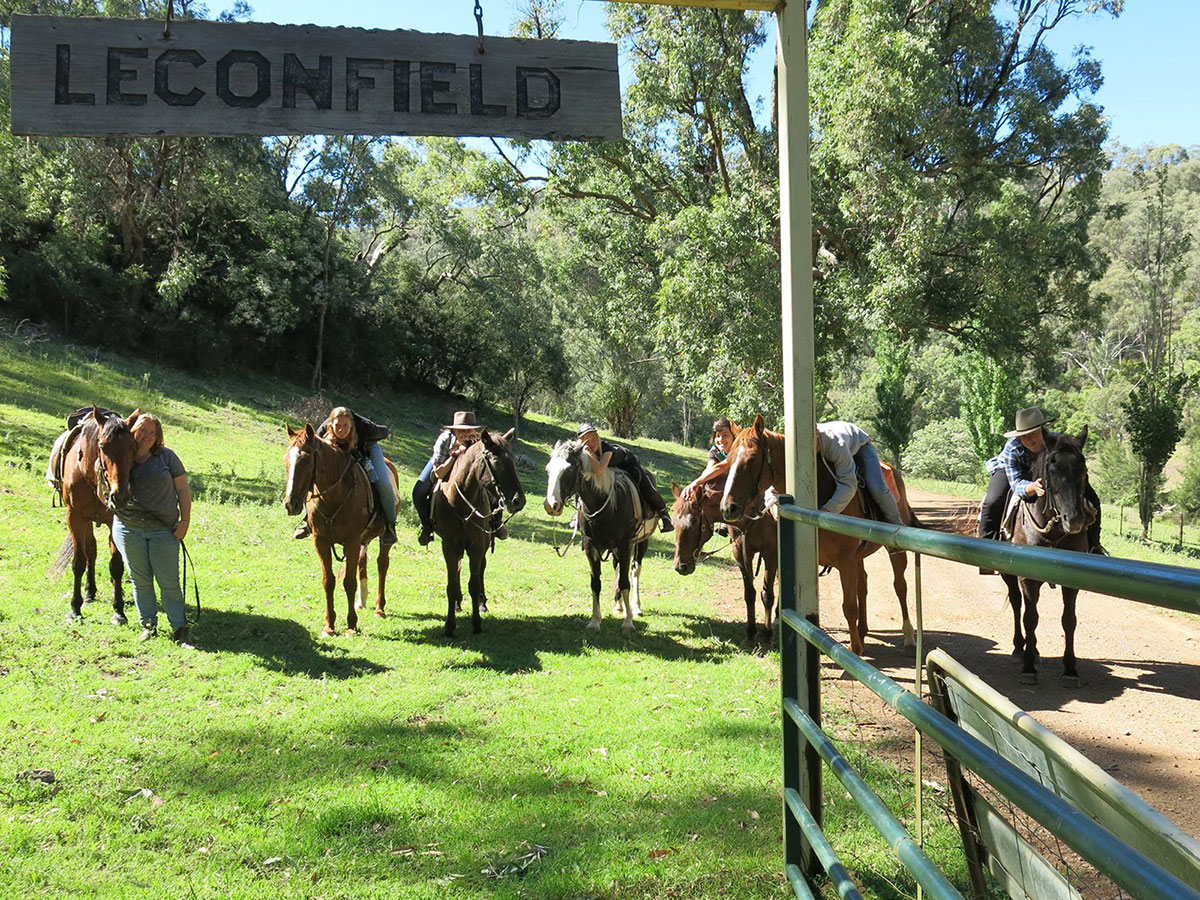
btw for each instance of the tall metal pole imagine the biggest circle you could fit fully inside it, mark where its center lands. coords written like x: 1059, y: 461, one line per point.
x: 795, y: 217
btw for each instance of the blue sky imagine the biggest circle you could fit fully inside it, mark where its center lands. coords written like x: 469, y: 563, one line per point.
x: 1150, y: 94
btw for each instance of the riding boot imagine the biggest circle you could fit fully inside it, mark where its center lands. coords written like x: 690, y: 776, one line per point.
x: 665, y: 524
x: 303, y: 530
x: 499, y: 529
x: 389, y: 534
x: 1094, y: 545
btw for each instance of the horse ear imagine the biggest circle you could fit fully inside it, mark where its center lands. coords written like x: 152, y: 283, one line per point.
x: 96, y: 413
x: 675, y: 490
x: 133, y: 417
x: 508, y: 435
x: 758, y: 425
x: 291, y: 432
x: 308, y: 431
x: 733, y: 429
x: 1082, y: 437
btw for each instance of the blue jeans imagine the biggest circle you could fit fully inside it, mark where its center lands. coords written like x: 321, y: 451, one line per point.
x: 382, y: 482
x: 152, y: 554
x: 873, y: 475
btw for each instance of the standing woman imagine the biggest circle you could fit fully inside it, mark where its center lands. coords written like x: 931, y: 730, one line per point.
x: 148, y: 529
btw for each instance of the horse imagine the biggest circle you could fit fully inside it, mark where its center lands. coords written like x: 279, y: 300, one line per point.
x: 1058, y: 519
x: 482, y: 483
x: 758, y: 463
x: 96, y: 471
x: 612, y: 518
x: 332, y: 487
x: 750, y: 538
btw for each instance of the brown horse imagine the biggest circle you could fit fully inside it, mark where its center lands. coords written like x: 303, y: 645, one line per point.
x: 1058, y: 519
x: 95, y: 480
x: 758, y: 463
x: 332, y: 487
x: 482, y: 484
x: 751, y: 538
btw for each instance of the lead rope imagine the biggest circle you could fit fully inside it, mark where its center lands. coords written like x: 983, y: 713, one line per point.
x: 479, y: 23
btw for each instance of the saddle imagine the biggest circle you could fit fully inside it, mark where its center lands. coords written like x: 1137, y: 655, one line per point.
x: 1008, y: 522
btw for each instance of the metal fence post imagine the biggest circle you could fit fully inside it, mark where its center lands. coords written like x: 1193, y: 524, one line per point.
x: 800, y: 683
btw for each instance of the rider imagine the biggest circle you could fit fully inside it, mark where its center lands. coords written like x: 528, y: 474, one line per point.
x: 360, y: 436
x: 839, y: 443
x: 607, y: 454
x: 450, y: 445
x: 1012, y: 469
x: 718, y: 465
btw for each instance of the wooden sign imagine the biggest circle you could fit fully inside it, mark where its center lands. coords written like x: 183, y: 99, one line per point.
x: 122, y: 76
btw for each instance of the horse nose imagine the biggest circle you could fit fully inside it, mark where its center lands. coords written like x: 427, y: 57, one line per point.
x: 553, y: 509
x: 730, y: 510
x: 518, y: 503
x: 684, y: 567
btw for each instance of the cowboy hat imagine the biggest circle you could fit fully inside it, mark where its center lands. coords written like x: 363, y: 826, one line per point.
x: 585, y: 428
x: 464, y: 420
x: 1028, y: 420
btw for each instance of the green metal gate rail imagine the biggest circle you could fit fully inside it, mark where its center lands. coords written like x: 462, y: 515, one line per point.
x: 1159, y: 585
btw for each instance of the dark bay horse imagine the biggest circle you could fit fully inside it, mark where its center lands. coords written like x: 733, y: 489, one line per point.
x: 482, y: 484
x: 758, y: 463
x: 751, y: 539
x: 612, y: 520
x: 95, y: 480
x: 1058, y: 519
x: 332, y: 487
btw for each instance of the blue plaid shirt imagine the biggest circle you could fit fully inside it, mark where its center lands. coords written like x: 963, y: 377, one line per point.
x: 1017, y: 463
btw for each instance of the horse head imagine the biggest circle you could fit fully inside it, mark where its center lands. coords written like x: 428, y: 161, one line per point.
x: 503, y: 468
x: 1063, y: 469
x: 563, y: 474
x: 749, y: 473
x: 300, y: 462
x: 693, y: 520
x: 117, y: 447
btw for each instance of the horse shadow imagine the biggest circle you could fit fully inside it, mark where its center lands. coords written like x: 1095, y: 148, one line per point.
x: 280, y: 645
x: 514, y: 646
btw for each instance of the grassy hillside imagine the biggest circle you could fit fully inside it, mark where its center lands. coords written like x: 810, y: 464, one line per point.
x: 535, y: 759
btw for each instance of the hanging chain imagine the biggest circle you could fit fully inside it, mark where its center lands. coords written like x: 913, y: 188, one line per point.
x: 479, y: 22
x: 167, y: 23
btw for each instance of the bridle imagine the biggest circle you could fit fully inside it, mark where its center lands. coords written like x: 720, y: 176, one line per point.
x: 318, y: 495
x: 1056, y: 516
x: 764, y: 480
x: 491, y: 490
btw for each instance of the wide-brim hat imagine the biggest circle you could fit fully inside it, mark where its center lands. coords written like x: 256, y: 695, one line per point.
x: 585, y: 428
x: 464, y: 420
x: 1030, y: 419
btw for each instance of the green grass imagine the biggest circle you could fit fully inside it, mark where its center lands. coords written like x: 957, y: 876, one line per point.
x: 534, y: 760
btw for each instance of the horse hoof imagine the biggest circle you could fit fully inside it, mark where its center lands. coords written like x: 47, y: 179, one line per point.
x: 1071, y: 681
x: 328, y: 632
x: 74, y: 616
x: 593, y: 625
x: 351, y: 632
x: 358, y: 604
x: 380, y: 614
x: 628, y: 628
x: 119, y: 619
x: 1029, y: 678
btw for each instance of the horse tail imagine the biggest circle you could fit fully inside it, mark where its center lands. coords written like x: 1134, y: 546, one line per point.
x: 66, y: 553
x: 895, y: 481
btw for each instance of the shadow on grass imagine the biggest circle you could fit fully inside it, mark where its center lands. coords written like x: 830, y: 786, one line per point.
x: 280, y: 645
x: 516, y: 645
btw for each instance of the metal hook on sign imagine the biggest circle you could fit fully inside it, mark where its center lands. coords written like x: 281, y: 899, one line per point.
x: 479, y: 22
x: 167, y: 23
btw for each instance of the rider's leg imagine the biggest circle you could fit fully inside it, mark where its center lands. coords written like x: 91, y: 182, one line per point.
x: 653, y: 499
x: 991, y: 511
x: 384, y: 490
x: 422, y: 497
x: 873, y: 475
x: 1093, y: 532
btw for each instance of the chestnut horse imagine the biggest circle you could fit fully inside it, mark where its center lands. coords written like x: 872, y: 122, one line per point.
x: 750, y: 539
x: 1058, y: 519
x: 758, y: 463
x: 332, y: 487
x: 482, y: 484
x: 95, y: 480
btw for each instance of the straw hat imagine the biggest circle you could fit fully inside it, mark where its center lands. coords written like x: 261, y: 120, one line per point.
x: 1028, y: 420
x: 464, y: 420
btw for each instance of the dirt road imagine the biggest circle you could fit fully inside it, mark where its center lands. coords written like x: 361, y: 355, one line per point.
x: 1135, y: 712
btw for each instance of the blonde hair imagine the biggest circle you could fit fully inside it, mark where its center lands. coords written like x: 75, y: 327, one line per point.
x: 158, y: 438
x: 351, y: 441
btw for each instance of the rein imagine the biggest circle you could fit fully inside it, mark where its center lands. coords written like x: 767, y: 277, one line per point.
x: 500, y: 499
x: 318, y: 495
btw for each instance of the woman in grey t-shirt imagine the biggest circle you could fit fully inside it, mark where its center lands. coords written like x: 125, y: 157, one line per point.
x: 148, y: 529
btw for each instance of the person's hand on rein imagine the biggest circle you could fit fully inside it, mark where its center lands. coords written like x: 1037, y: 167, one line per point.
x: 1036, y: 488
x: 181, y: 529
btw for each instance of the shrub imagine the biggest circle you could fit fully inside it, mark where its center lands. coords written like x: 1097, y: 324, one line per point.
x: 942, y: 450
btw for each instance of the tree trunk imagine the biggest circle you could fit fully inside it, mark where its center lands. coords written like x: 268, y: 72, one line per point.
x: 315, y: 382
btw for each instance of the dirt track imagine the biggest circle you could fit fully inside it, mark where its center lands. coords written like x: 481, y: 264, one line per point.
x: 1135, y: 712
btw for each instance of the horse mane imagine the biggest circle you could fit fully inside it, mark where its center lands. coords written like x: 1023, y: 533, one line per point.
x: 603, y: 481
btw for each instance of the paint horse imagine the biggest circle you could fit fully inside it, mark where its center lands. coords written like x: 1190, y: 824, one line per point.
x: 1059, y: 519
x: 612, y: 520
x: 758, y: 464
x: 95, y: 479
x: 329, y: 484
x: 467, y: 506
x: 752, y: 539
